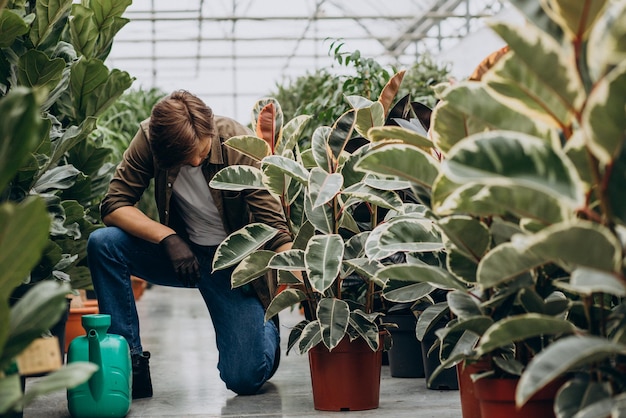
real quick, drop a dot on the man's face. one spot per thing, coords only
(201, 154)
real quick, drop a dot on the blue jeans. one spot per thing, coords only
(246, 343)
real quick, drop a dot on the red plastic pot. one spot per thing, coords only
(347, 378)
(497, 399)
(470, 407)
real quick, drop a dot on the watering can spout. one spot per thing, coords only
(96, 383)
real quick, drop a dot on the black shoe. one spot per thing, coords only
(142, 383)
(277, 354)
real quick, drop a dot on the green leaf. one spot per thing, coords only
(12, 25)
(463, 304)
(576, 18)
(69, 138)
(58, 178)
(319, 149)
(363, 193)
(322, 259)
(285, 299)
(420, 273)
(407, 136)
(35, 313)
(369, 117)
(449, 126)
(333, 315)
(240, 243)
(365, 327)
(340, 134)
(287, 166)
(67, 377)
(576, 394)
(587, 281)
(461, 332)
(251, 268)
(10, 393)
(520, 327)
(252, 146)
(504, 263)
(292, 260)
(606, 48)
(430, 317)
(23, 236)
(83, 30)
(321, 217)
(401, 291)
(237, 178)
(539, 79)
(48, 14)
(323, 186)
(403, 235)
(19, 131)
(401, 161)
(291, 133)
(561, 356)
(604, 118)
(468, 236)
(311, 336)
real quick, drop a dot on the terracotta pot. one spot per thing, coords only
(347, 378)
(470, 406)
(73, 326)
(497, 399)
(139, 285)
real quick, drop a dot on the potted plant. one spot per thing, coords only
(529, 197)
(317, 187)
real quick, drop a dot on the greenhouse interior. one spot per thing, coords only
(239, 208)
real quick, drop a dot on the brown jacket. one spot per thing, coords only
(237, 209)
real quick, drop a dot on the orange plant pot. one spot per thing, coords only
(497, 399)
(74, 327)
(347, 378)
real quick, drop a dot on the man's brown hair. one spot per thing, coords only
(177, 124)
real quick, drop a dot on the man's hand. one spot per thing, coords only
(184, 261)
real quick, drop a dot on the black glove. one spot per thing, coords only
(184, 261)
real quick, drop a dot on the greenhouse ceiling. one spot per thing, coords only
(232, 52)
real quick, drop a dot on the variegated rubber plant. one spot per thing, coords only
(318, 188)
(530, 198)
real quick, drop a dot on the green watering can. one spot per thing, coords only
(108, 392)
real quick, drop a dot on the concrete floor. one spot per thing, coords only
(177, 330)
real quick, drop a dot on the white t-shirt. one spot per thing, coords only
(197, 207)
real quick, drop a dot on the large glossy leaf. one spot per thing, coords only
(365, 327)
(519, 328)
(604, 118)
(449, 126)
(588, 281)
(340, 134)
(577, 394)
(579, 243)
(319, 148)
(535, 13)
(36, 69)
(68, 376)
(483, 110)
(468, 235)
(401, 161)
(83, 30)
(333, 315)
(400, 134)
(429, 318)
(576, 17)
(292, 260)
(418, 273)
(362, 193)
(12, 25)
(365, 267)
(505, 262)
(310, 337)
(390, 90)
(322, 259)
(10, 393)
(23, 236)
(291, 133)
(283, 300)
(48, 14)
(252, 146)
(321, 218)
(19, 131)
(287, 166)
(369, 117)
(237, 178)
(35, 313)
(403, 235)
(240, 243)
(323, 187)
(463, 304)
(403, 291)
(58, 178)
(251, 268)
(69, 138)
(605, 47)
(461, 332)
(539, 80)
(561, 356)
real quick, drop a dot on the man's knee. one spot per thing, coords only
(101, 238)
(244, 384)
